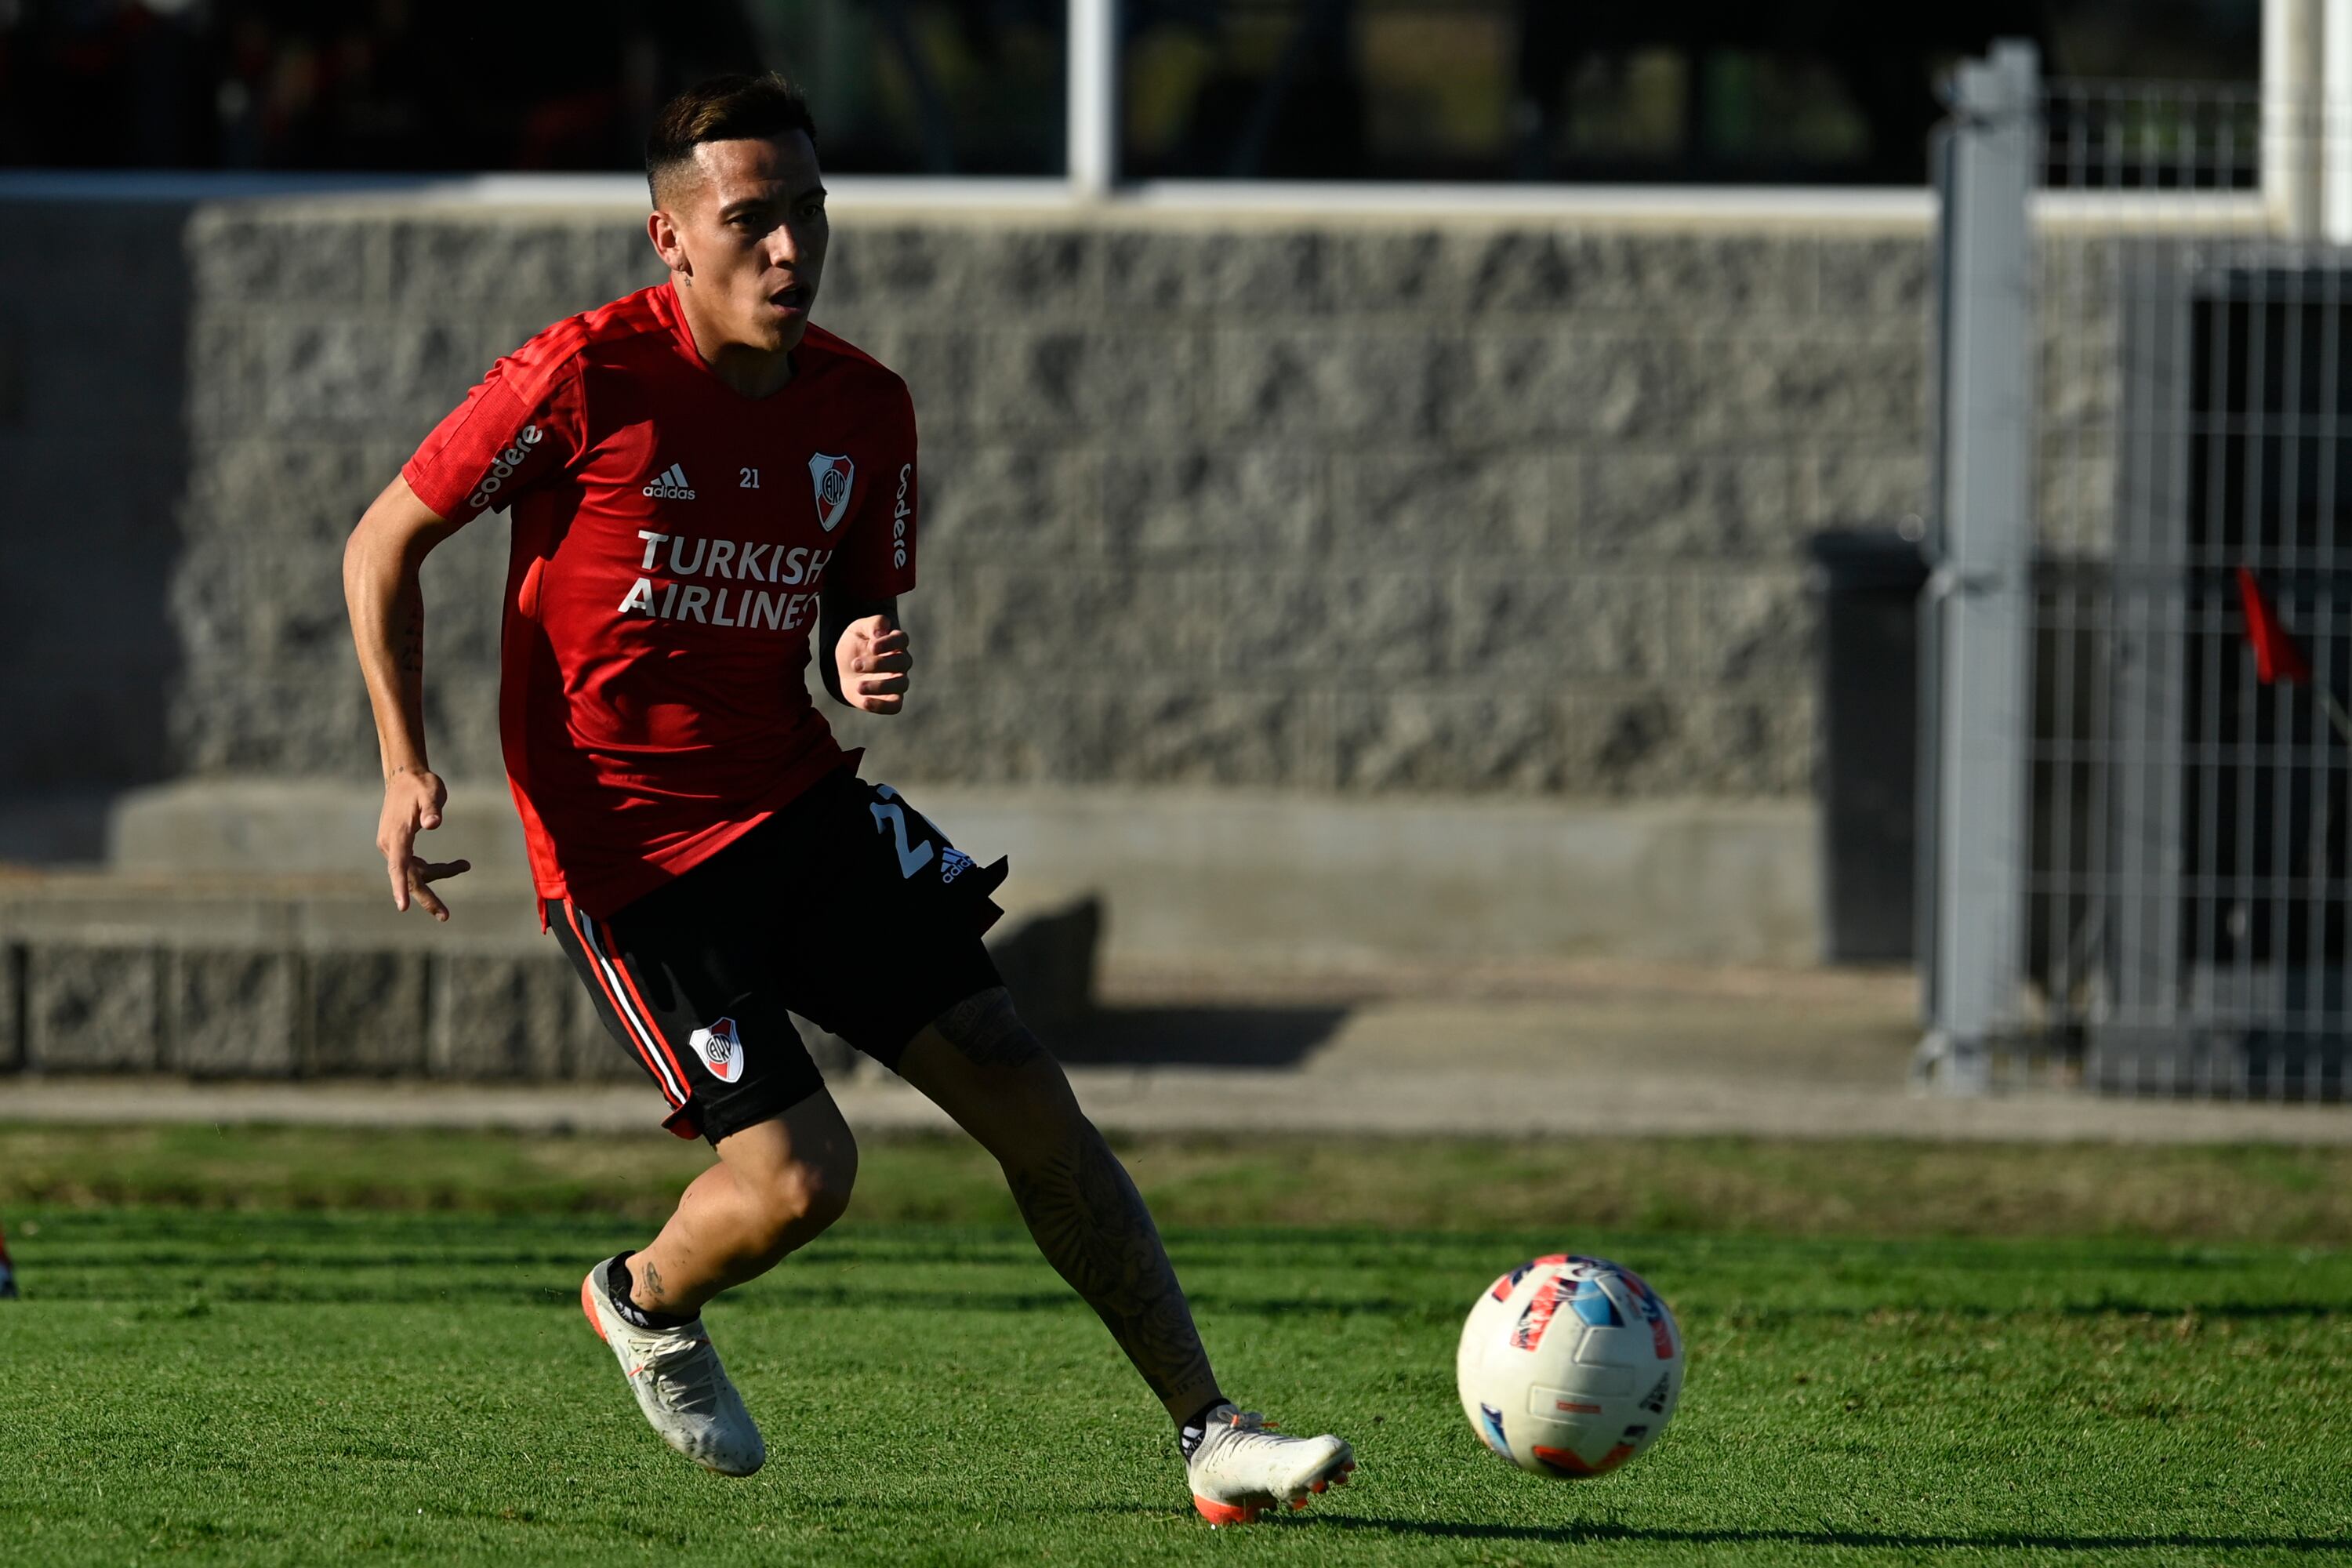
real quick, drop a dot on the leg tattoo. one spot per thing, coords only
(986, 1030)
(649, 1281)
(1088, 1218)
(1091, 1225)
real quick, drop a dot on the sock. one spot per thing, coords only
(617, 1290)
(1192, 1429)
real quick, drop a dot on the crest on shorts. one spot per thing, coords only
(830, 477)
(721, 1048)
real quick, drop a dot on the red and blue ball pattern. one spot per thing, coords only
(1570, 1365)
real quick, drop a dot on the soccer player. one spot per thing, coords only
(700, 479)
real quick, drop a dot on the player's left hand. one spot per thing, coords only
(874, 658)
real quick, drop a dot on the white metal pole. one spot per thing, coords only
(1982, 585)
(2327, 122)
(1093, 98)
(2292, 76)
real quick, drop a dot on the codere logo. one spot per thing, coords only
(670, 484)
(898, 518)
(502, 468)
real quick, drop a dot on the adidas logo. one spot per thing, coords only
(954, 863)
(670, 484)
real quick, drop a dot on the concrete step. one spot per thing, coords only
(280, 977)
(1217, 877)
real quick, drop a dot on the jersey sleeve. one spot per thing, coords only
(877, 559)
(521, 427)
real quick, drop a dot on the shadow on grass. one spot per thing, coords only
(1989, 1541)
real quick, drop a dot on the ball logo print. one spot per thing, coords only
(1536, 1315)
(1504, 1286)
(831, 478)
(1490, 1428)
(721, 1048)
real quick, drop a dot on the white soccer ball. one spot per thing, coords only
(1569, 1366)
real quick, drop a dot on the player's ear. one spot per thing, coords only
(662, 230)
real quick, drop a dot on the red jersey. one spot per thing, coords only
(670, 537)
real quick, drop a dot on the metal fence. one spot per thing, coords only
(2140, 618)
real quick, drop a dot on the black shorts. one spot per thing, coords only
(847, 906)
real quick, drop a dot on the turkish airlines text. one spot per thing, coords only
(738, 562)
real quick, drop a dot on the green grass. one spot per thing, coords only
(212, 1383)
(1720, 1186)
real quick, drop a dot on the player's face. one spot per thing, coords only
(753, 229)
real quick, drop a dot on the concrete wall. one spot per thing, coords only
(1379, 508)
(1358, 506)
(1229, 877)
(1460, 518)
(240, 977)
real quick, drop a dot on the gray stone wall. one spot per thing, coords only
(1345, 506)
(1373, 507)
(256, 981)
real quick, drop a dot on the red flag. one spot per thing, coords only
(2277, 655)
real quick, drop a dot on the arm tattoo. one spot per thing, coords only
(987, 1030)
(412, 643)
(1091, 1225)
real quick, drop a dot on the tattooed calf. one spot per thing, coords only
(1091, 1225)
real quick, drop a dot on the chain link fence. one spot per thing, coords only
(2141, 615)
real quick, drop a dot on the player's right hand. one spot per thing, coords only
(411, 805)
(873, 657)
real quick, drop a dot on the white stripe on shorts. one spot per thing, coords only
(646, 1040)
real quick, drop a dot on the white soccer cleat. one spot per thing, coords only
(679, 1384)
(1243, 1467)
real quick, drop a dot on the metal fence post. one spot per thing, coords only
(2295, 59)
(1092, 103)
(2317, 125)
(1981, 544)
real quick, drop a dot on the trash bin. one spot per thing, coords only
(1868, 581)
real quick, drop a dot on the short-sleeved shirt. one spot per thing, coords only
(670, 536)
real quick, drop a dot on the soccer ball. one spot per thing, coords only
(1569, 1366)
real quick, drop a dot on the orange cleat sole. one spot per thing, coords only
(1251, 1512)
(588, 1307)
(1227, 1512)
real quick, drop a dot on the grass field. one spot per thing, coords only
(235, 1372)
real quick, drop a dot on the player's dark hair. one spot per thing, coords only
(733, 108)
